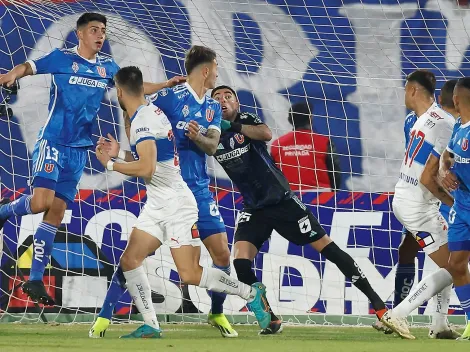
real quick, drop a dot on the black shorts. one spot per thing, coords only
(292, 219)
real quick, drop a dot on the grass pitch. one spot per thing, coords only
(203, 338)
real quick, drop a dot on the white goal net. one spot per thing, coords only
(346, 58)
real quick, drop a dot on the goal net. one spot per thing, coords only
(347, 59)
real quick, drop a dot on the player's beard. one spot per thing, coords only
(121, 105)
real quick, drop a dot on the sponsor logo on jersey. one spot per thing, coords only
(464, 144)
(435, 115)
(185, 110)
(198, 114)
(82, 81)
(239, 138)
(408, 179)
(233, 154)
(75, 67)
(158, 111)
(183, 125)
(49, 168)
(183, 95)
(101, 71)
(458, 159)
(210, 115)
(304, 225)
(142, 129)
(220, 146)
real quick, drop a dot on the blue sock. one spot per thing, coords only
(404, 280)
(116, 289)
(463, 293)
(218, 298)
(19, 207)
(42, 249)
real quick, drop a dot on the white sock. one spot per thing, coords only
(218, 281)
(442, 301)
(139, 288)
(423, 291)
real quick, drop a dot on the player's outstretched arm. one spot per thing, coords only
(208, 143)
(257, 133)
(144, 167)
(17, 72)
(429, 179)
(151, 88)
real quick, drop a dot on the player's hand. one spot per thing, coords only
(448, 180)
(193, 130)
(111, 146)
(175, 81)
(102, 156)
(8, 79)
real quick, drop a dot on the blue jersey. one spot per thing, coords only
(77, 89)
(181, 105)
(458, 146)
(409, 122)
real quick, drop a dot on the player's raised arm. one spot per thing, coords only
(152, 88)
(17, 72)
(249, 125)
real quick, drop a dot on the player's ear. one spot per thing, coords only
(80, 33)
(455, 98)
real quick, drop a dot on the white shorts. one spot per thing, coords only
(424, 222)
(174, 224)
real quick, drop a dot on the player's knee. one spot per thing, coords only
(41, 203)
(221, 257)
(129, 262)
(457, 267)
(189, 276)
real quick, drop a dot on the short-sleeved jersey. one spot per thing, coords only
(77, 88)
(150, 123)
(430, 134)
(458, 146)
(181, 104)
(251, 168)
(409, 123)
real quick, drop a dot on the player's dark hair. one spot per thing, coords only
(130, 78)
(198, 55)
(425, 79)
(88, 17)
(447, 93)
(463, 82)
(299, 115)
(224, 87)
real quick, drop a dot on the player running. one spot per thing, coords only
(80, 79)
(409, 248)
(269, 204)
(416, 199)
(195, 119)
(170, 213)
(455, 170)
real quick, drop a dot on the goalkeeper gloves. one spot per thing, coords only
(230, 126)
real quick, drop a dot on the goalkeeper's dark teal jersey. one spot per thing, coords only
(78, 86)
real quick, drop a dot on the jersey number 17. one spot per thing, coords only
(413, 148)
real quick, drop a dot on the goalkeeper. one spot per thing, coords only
(80, 79)
(269, 204)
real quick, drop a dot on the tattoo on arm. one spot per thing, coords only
(208, 143)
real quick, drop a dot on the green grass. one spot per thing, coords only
(203, 338)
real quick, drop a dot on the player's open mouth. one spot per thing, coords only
(99, 44)
(224, 108)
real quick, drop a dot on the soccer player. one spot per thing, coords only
(416, 199)
(170, 214)
(269, 204)
(455, 164)
(80, 78)
(409, 248)
(195, 119)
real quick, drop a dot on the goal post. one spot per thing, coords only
(347, 59)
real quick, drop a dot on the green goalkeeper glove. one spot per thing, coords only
(230, 126)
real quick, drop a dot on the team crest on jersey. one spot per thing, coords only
(210, 115)
(48, 168)
(163, 92)
(75, 67)
(101, 71)
(240, 138)
(185, 111)
(464, 144)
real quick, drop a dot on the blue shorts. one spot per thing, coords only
(459, 230)
(58, 167)
(210, 221)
